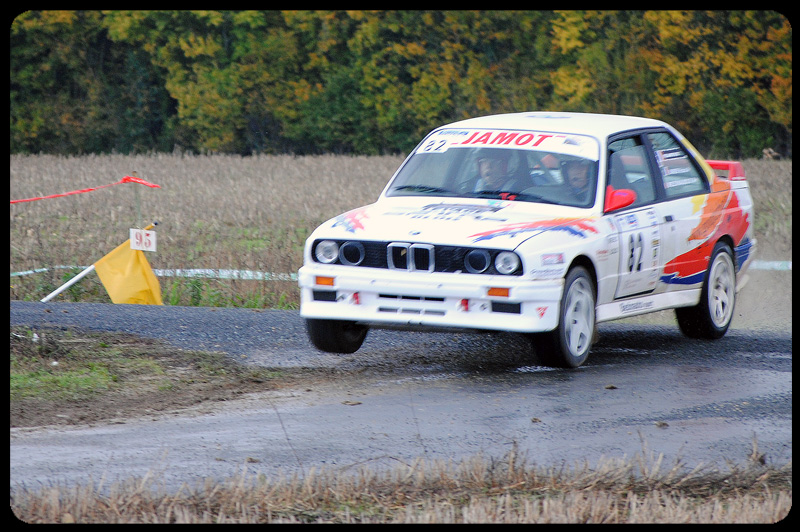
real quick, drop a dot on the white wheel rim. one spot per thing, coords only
(579, 317)
(722, 290)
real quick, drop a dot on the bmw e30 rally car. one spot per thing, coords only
(541, 223)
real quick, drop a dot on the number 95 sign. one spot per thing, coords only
(144, 239)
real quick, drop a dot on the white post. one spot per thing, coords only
(68, 284)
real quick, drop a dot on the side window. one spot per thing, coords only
(679, 175)
(628, 168)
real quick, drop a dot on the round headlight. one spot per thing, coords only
(352, 253)
(506, 262)
(477, 261)
(327, 251)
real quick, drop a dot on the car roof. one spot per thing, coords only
(597, 125)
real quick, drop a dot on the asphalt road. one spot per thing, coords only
(645, 391)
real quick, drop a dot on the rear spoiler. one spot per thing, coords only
(734, 170)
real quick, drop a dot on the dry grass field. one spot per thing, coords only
(231, 212)
(508, 490)
(218, 212)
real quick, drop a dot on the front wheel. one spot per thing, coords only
(568, 345)
(336, 336)
(711, 317)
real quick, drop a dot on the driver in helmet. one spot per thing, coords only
(577, 177)
(493, 171)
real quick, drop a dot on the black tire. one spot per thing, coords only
(567, 346)
(712, 316)
(336, 336)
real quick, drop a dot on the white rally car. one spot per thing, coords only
(542, 223)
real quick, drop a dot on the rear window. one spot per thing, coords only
(680, 175)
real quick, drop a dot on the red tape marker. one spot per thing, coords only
(126, 179)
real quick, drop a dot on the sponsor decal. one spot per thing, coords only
(452, 211)
(743, 252)
(445, 139)
(552, 258)
(680, 182)
(547, 273)
(352, 221)
(508, 138)
(635, 306)
(541, 311)
(711, 216)
(579, 227)
(721, 215)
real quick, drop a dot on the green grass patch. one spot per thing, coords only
(63, 376)
(59, 383)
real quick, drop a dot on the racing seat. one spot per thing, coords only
(616, 174)
(617, 178)
(520, 174)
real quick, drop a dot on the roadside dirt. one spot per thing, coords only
(147, 378)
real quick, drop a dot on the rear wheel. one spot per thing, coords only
(568, 345)
(336, 336)
(711, 317)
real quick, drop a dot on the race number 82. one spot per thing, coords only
(435, 146)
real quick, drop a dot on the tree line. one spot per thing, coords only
(372, 82)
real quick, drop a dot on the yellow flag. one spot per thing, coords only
(127, 276)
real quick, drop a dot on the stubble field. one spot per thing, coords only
(214, 212)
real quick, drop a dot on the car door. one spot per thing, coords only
(639, 225)
(684, 190)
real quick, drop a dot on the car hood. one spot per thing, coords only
(481, 223)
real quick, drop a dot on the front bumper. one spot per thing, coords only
(412, 299)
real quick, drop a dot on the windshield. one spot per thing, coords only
(507, 165)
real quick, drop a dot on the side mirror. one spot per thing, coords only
(618, 199)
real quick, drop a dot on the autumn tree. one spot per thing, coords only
(228, 71)
(408, 71)
(723, 76)
(376, 81)
(73, 90)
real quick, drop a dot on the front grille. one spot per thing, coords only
(416, 257)
(411, 257)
